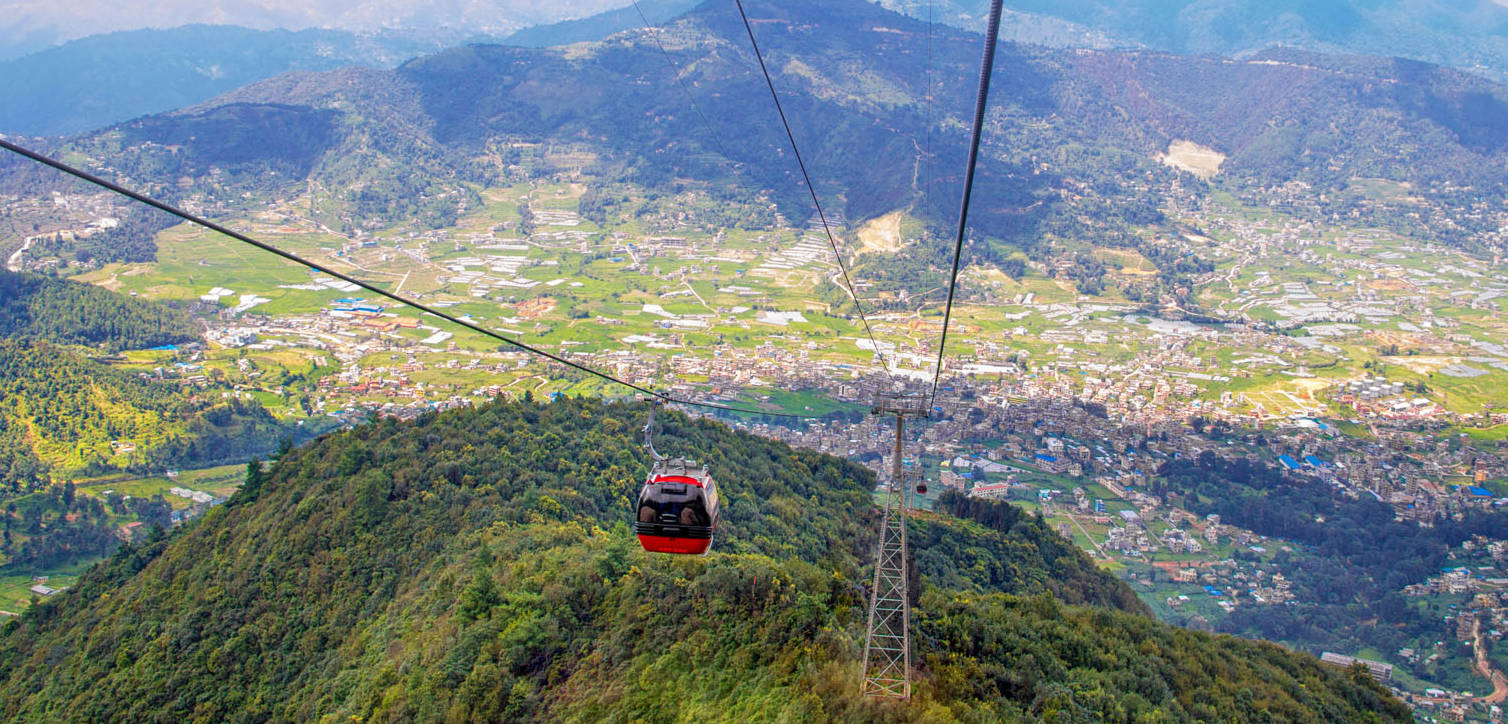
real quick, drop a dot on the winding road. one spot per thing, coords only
(14, 262)
(1484, 667)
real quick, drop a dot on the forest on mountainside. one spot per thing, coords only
(66, 411)
(60, 527)
(477, 565)
(34, 307)
(133, 240)
(61, 412)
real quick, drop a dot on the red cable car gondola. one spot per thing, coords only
(677, 510)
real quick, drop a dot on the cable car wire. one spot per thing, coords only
(186, 216)
(927, 124)
(986, 66)
(831, 241)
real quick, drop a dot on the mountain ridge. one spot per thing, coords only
(1429, 31)
(1069, 129)
(33, 26)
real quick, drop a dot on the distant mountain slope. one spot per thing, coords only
(1070, 152)
(475, 566)
(1470, 34)
(601, 25)
(92, 82)
(63, 413)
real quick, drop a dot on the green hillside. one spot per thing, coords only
(64, 312)
(63, 413)
(476, 565)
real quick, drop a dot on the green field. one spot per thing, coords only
(218, 481)
(15, 593)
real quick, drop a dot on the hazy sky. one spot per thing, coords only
(27, 25)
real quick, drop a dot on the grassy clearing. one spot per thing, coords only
(219, 481)
(15, 593)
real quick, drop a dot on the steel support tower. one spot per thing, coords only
(887, 644)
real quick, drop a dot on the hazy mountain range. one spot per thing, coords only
(1464, 33)
(1467, 33)
(94, 81)
(30, 25)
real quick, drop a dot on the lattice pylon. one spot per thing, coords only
(887, 642)
(887, 647)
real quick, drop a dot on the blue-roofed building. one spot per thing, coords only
(1288, 462)
(1314, 461)
(1479, 492)
(1051, 463)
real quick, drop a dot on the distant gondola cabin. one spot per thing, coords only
(677, 510)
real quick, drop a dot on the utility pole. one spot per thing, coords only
(887, 643)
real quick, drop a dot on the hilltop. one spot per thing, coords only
(476, 565)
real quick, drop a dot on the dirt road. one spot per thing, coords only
(1484, 667)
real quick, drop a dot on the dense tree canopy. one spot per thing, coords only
(61, 412)
(65, 312)
(476, 565)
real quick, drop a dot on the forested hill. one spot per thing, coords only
(476, 565)
(62, 413)
(64, 312)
